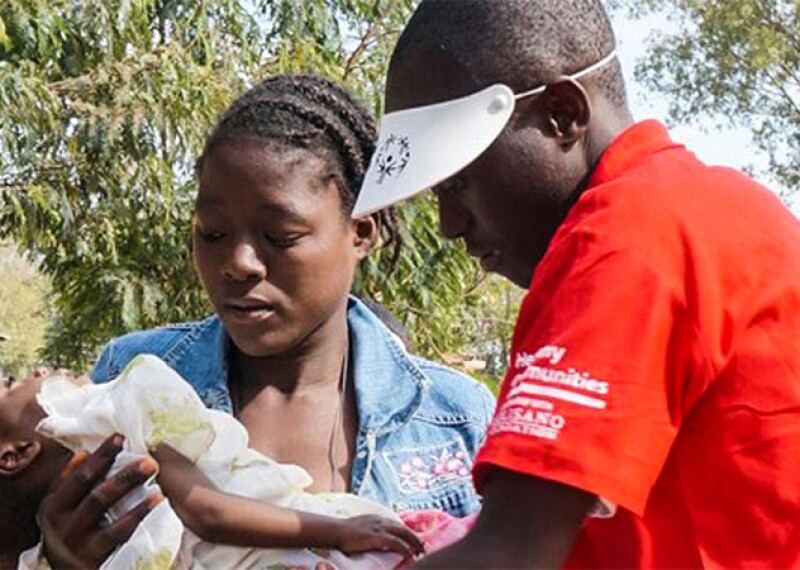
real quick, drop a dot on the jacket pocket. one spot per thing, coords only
(432, 476)
(460, 501)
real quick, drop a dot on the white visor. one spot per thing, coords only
(423, 146)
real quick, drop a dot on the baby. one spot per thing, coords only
(228, 505)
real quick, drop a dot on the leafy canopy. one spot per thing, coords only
(23, 313)
(105, 105)
(735, 61)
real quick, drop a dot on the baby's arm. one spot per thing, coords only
(218, 517)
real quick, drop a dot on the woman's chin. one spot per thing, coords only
(264, 345)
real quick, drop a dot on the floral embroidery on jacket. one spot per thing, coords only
(429, 468)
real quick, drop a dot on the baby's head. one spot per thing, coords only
(29, 461)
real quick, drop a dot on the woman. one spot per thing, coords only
(314, 376)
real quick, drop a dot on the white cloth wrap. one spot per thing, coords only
(149, 403)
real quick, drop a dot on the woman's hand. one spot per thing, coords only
(70, 516)
(373, 533)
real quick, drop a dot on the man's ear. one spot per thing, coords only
(17, 456)
(366, 231)
(569, 111)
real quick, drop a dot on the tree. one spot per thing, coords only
(23, 313)
(105, 104)
(735, 61)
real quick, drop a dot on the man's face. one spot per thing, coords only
(509, 202)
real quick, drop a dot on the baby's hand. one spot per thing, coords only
(373, 533)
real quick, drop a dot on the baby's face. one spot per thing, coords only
(19, 410)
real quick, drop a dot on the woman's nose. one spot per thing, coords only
(244, 262)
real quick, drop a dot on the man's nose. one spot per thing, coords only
(454, 218)
(244, 262)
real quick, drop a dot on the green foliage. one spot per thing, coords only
(450, 306)
(105, 104)
(736, 61)
(23, 313)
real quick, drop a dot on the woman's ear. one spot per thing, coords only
(366, 231)
(569, 111)
(17, 456)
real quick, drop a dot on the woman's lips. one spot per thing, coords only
(249, 313)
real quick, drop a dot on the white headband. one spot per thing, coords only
(577, 75)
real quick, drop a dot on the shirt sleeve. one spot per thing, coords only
(590, 399)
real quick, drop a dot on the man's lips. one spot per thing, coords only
(490, 260)
(486, 258)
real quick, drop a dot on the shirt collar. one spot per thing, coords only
(634, 143)
(389, 385)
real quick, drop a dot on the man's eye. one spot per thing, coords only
(209, 236)
(454, 184)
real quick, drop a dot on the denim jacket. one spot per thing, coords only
(419, 423)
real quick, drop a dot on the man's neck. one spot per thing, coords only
(611, 121)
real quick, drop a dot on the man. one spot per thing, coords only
(651, 413)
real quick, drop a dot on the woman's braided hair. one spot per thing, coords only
(316, 114)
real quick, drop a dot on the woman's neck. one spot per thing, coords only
(316, 362)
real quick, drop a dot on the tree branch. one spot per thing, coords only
(777, 25)
(775, 84)
(369, 36)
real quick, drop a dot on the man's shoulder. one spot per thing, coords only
(454, 394)
(167, 342)
(674, 185)
(671, 201)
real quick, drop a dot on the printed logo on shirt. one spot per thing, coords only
(529, 407)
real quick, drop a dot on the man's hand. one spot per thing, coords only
(526, 522)
(70, 515)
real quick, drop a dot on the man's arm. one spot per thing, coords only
(526, 522)
(215, 516)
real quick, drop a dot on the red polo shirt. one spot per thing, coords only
(656, 364)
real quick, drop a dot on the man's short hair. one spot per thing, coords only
(522, 43)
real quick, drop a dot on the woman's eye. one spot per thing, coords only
(284, 241)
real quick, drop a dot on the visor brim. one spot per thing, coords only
(423, 146)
